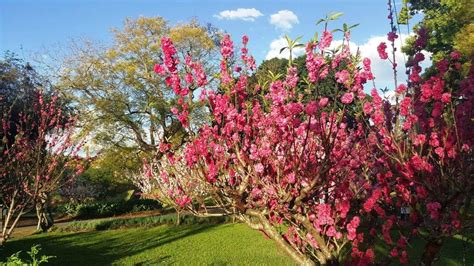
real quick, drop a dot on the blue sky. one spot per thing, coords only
(28, 27)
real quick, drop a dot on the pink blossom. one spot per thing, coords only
(405, 106)
(366, 63)
(404, 257)
(419, 139)
(343, 207)
(433, 208)
(342, 76)
(391, 36)
(227, 47)
(352, 228)
(323, 102)
(347, 98)
(455, 55)
(367, 108)
(292, 77)
(311, 108)
(331, 232)
(434, 141)
(291, 178)
(401, 88)
(394, 252)
(245, 40)
(381, 50)
(326, 40)
(170, 59)
(446, 97)
(259, 168)
(159, 69)
(183, 201)
(440, 152)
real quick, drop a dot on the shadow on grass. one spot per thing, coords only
(456, 250)
(104, 247)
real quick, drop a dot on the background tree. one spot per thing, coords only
(102, 178)
(37, 150)
(269, 70)
(123, 103)
(20, 88)
(449, 27)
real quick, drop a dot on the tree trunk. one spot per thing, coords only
(43, 213)
(178, 218)
(45, 219)
(7, 227)
(432, 249)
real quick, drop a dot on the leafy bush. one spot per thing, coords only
(87, 210)
(15, 259)
(149, 221)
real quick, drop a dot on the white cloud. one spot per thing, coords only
(247, 14)
(275, 47)
(284, 19)
(382, 69)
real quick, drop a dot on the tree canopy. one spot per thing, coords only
(123, 103)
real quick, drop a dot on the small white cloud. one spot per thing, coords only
(247, 14)
(284, 19)
(275, 47)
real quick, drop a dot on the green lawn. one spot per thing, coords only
(229, 244)
(199, 244)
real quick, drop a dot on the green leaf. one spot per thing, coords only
(353, 26)
(298, 38)
(315, 38)
(334, 16)
(319, 21)
(283, 49)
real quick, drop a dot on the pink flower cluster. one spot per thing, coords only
(328, 164)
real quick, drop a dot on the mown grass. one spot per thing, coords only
(199, 244)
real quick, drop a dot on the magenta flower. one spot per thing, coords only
(381, 50)
(347, 98)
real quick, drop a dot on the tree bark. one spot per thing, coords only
(7, 230)
(45, 219)
(43, 213)
(178, 218)
(432, 249)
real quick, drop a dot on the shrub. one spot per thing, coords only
(88, 210)
(150, 221)
(15, 259)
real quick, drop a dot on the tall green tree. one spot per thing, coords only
(125, 105)
(450, 27)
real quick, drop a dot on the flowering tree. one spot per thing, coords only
(314, 171)
(281, 162)
(38, 155)
(424, 165)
